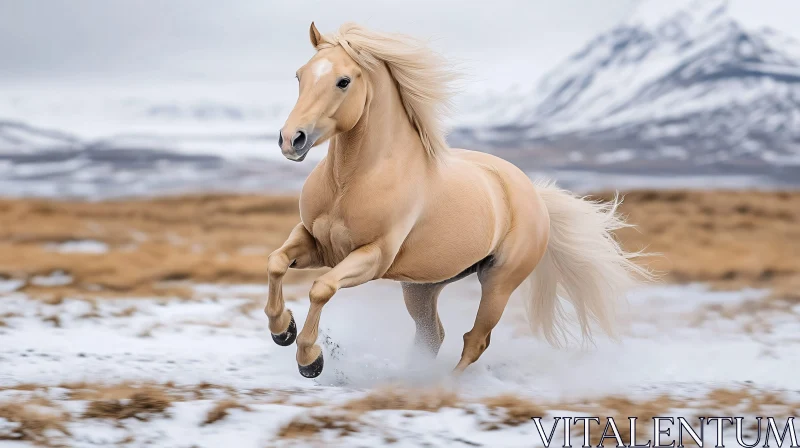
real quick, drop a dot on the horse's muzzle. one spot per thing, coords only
(297, 156)
(299, 146)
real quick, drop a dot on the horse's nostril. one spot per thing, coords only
(299, 140)
(280, 139)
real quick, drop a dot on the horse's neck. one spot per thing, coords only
(383, 134)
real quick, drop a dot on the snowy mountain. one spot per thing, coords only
(41, 162)
(22, 139)
(691, 87)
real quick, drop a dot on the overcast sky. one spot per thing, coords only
(499, 43)
(249, 39)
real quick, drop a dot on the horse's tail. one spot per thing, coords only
(583, 264)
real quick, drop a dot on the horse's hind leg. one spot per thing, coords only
(498, 280)
(421, 302)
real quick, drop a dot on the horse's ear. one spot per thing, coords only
(313, 33)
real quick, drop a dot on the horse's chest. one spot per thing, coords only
(334, 239)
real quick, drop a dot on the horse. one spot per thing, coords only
(391, 200)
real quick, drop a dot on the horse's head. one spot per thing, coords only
(332, 98)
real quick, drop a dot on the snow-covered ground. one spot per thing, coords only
(678, 340)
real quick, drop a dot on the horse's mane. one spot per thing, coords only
(422, 76)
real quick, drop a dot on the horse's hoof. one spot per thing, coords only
(288, 336)
(314, 369)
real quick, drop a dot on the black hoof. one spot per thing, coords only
(314, 369)
(288, 336)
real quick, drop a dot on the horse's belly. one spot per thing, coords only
(462, 225)
(435, 256)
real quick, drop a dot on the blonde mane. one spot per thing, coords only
(423, 78)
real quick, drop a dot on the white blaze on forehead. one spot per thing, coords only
(322, 67)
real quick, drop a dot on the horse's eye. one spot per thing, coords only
(343, 83)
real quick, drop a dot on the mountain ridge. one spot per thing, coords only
(697, 86)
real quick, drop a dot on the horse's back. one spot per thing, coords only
(512, 176)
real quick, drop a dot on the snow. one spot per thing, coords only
(56, 278)
(653, 12)
(366, 337)
(10, 285)
(695, 74)
(79, 246)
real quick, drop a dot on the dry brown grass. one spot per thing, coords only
(22, 386)
(723, 401)
(510, 410)
(141, 404)
(204, 238)
(34, 420)
(310, 425)
(733, 400)
(346, 418)
(41, 421)
(221, 410)
(52, 299)
(402, 398)
(620, 408)
(729, 238)
(255, 305)
(54, 319)
(127, 312)
(205, 390)
(90, 391)
(504, 410)
(100, 391)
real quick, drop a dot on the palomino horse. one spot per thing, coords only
(392, 201)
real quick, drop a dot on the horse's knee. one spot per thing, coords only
(277, 264)
(321, 291)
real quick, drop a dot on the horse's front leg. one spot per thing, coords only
(361, 266)
(299, 251)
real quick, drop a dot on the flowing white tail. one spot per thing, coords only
(583, 264)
